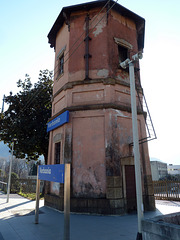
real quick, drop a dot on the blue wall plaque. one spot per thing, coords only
(52, 173)
(58, 121)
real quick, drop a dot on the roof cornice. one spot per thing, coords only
(66, 12)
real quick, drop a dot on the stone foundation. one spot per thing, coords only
(87, 205)
(114, 201)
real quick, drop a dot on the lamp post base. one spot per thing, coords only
(139, 236)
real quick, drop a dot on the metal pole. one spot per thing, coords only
(37, 198)
(10, 170)
(136, 151)
(2, 110)
(67, 202)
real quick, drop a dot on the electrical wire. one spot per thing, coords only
(87, 35)
(30, 101)
(89, 25)
(83, 32)
(36, 93)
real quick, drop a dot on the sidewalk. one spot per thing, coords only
(17, 222)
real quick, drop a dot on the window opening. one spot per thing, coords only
(57, 155)
(123, 53)
(61, 64)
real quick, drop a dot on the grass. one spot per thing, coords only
(30, 196)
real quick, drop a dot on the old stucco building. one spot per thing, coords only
(90, 40)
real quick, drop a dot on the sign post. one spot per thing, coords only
(67, 203)
(56, 173)
(37, 198)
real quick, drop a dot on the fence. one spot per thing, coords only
(3, 186)
(167, 190)
(24, 185)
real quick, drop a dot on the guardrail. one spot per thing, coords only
(167, 190)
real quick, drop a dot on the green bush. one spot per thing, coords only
(15, 185)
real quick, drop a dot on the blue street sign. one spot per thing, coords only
(58, 121)
(52, 173)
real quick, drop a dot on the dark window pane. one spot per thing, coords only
(61, 64)
(57, 153)
(123, 53)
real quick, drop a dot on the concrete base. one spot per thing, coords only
(166, 227)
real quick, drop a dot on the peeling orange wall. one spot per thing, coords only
(95, 140)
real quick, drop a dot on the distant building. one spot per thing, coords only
(158, 170)
(173, 169)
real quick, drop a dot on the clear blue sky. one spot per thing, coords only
(24, 49)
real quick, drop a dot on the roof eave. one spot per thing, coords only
(140, 22)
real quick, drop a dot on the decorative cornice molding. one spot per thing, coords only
(105, 81)
(97, 107)
(123, 43)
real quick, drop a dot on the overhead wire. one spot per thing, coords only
(30, 101)
(38, 91)
(87, 35)
(85, 30)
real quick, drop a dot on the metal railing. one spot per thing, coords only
(167, 190)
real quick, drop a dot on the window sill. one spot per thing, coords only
(59, 76)
(123, 69)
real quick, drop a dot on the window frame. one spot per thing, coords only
(123, 53)
(60, 62)
(124, 45)
(61, 65)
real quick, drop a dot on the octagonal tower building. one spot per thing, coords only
(90, 41)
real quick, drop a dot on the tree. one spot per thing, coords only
(15, 185)
(26, 117)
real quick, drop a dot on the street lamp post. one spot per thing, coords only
(10, 170)
(135, 140)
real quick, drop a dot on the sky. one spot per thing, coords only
(24, 49)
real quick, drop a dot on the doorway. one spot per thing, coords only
(130, 188)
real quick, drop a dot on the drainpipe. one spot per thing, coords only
(87, 55)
